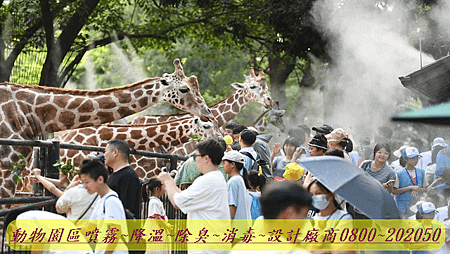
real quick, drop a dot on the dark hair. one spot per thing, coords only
(382, 145)
(121, 146)
(214, 148)
(278, 196)
(335, 152)
(256, 179)
(347, 144)
(244, 175)
(402, 161)
(291, 141)
(315, 181)
(154, 183)
(418, 216)
(298, 133)
(238, 128)
(248, 137)
(230, 125)
(94, 169)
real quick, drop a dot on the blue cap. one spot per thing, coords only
(426, 207)
(410, 152)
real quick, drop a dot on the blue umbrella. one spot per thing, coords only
(354, 185)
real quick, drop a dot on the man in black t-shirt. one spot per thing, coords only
(124, 180)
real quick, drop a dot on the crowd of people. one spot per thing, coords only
(252, 180)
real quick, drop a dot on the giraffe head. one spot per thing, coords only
(276, 118)
(206, 128)
(184, 93)
(257, 86)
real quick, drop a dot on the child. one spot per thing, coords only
(238, 198)
(256, 181)
(94, 176)
(410, 181)
(156, 211)
(155, 206)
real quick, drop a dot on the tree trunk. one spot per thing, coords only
(49, 73)
(279, 72)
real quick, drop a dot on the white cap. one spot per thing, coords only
(234, 156)
(439, 142)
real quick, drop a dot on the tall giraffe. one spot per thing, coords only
(138, 136)
(29, 111)
(253, 89)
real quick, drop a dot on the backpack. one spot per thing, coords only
(259, 165)
(255, 208)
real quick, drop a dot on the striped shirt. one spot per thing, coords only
(383, 175)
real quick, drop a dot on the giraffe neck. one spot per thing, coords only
(227, 109)
(139, 137)
(41, 110)
(260, 124)
(224, 110)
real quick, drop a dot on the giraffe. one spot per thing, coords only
(151, 166)
(272, 116)
(138, 136)
(253, 89)
(29, 111)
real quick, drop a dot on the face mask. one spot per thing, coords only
(320, 201)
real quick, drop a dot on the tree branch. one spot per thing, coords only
(28, 34)
(74, 26)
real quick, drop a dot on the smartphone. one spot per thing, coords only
(388, 182)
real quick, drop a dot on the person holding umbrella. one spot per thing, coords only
(411, 181)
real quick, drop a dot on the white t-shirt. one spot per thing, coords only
(206, 198)
(110, 208)
(238, 196)
(423, 162)
(155, 206)
(337, 215)
(442, 214)
(75, 201)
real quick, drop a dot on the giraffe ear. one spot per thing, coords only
(238, 86)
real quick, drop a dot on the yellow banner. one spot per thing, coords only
(226, 235)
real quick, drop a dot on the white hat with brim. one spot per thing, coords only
(234, 156)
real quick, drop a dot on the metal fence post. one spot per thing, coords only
(173, 162)
(37, 163)
(50, 170)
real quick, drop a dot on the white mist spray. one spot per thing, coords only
(369, 52)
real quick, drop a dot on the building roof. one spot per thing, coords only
(431, 82)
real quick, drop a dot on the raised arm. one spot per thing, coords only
(46, 183)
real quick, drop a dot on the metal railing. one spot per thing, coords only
(50, 156)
